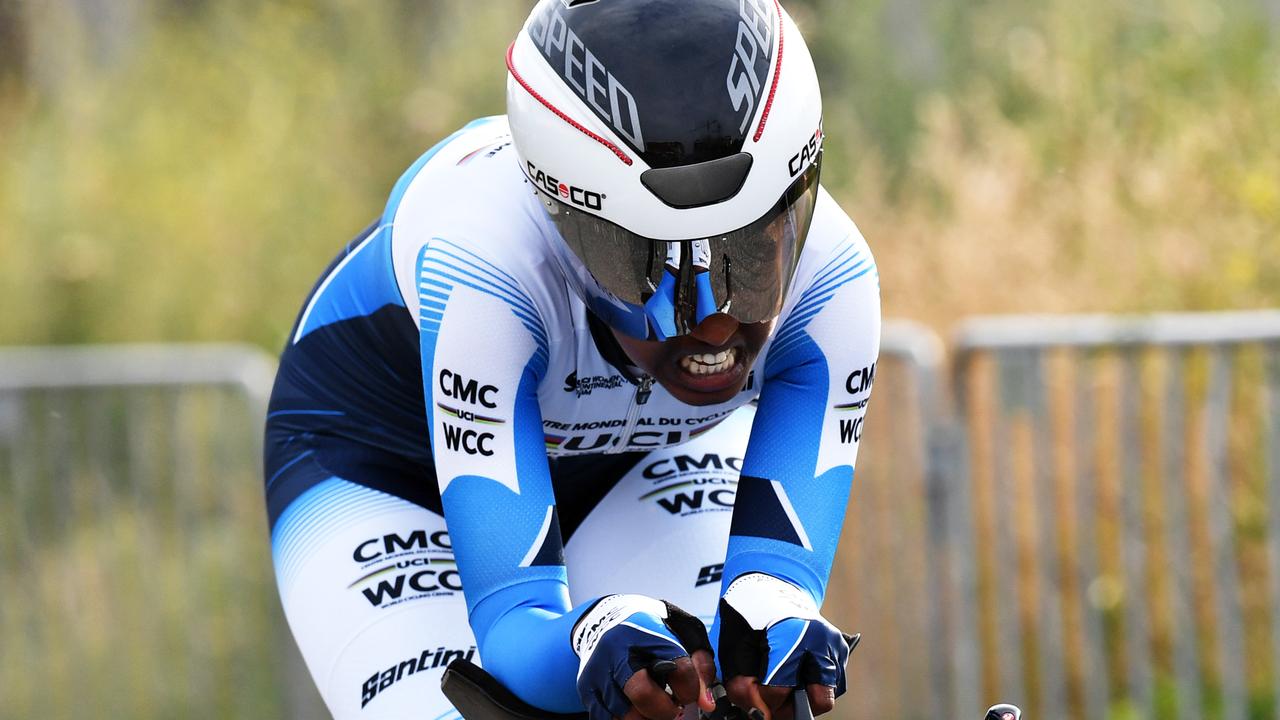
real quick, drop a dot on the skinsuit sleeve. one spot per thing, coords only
(484, 352)
(818, 373)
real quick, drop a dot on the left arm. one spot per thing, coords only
(796, 478)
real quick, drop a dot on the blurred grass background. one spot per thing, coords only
(184, 170)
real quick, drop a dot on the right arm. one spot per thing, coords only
(484, 351)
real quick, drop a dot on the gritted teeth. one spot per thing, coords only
(710, 363)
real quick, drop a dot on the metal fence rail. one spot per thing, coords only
(155, 449)
(891, 567)
(1126, 487)
(133, 560)
(1088, 522)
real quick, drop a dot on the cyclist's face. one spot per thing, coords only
(705, 367)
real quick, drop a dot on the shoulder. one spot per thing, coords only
(832, 233)
(465, 208)
(834, 249)
(834, 297)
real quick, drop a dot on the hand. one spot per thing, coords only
(772, 639)
(776, 702)
(630, 648)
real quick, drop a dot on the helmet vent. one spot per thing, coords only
(704, 183)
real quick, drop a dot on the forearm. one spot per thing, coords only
(789, 509)
(798, 469)
(523, 636)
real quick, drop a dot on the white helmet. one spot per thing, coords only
(677, 145)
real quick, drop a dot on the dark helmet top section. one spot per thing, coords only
(679, 82)
(676, 151)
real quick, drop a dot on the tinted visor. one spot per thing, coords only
(674, 285)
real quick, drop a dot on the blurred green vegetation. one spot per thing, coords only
(190, 178)
(187, 176)
(125, 594)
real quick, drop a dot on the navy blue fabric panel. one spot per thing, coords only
(552, 550)
(302, 461)
(580, 482)
(359, 379)
(767, 518)
(359, 284)
(296, 471)
(297, 461)
(333, 264)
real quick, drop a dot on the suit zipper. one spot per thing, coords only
(643, 391)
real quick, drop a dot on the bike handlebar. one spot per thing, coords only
(477, 695)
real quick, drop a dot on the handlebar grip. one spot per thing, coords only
(661, 670)
(1004, 711)
(801, 701)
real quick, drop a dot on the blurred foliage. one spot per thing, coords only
(183, 171)
(124, 594)
(188, 173)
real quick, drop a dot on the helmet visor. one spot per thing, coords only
(656, 289)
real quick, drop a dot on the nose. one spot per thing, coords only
(715, 329)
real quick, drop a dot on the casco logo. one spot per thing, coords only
(581, 197)
(807, 154)
(752, 51)
(584, 72)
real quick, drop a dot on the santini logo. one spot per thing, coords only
(428, 660)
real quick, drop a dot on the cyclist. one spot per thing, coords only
(550, 341)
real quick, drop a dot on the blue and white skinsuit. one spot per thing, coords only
(443, 373)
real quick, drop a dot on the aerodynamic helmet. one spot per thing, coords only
(676, 145)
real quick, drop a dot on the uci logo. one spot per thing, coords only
(807, 154)
(589, 199)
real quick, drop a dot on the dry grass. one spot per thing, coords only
(1002, 157)
(1075, 156)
